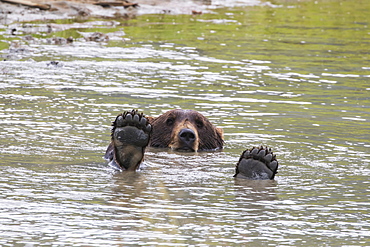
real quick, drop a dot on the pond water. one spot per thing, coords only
(294, 76)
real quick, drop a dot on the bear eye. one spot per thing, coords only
(199, 123)
(170, 121)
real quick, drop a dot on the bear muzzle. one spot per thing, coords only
(185, 140)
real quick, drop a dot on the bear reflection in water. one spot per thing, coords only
(180, 130)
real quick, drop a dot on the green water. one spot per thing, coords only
(295, 77)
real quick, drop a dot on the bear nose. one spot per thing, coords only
(187, 136)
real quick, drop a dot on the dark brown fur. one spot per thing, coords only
(166, 129)
(181, 130)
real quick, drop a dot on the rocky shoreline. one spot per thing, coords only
(31, 10)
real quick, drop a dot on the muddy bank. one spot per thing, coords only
(50, 9)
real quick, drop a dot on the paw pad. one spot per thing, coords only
(132, 118)
(130, 136)
(256, 162)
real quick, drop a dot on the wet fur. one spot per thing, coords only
(167, 126)
(129, 139)
(132, 132)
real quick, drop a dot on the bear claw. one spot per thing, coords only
(130, 136)
(132, 118)
(257, 163)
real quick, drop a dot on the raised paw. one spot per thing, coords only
(257, 163)
(131, 128)
(130, 136)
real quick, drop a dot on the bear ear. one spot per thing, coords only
(150, 119)
(220, 132)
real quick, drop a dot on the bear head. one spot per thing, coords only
(185, 130)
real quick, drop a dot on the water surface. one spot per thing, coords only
(293, 76)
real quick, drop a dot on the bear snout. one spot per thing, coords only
(186, 140)
(187, 136)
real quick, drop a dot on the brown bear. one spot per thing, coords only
(180, 130)
(185, 130)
